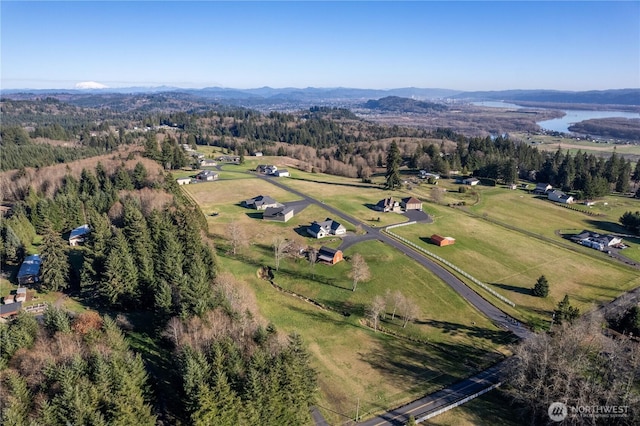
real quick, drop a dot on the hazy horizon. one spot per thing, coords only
(462, 46)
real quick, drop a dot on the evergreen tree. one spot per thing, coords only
(119, 284)
(55, 263)
(139, 176)
(137, 233)
(122, 180)
(12, 247)
(623, 178)
(541, 289)
(393, 167)
(565, 312)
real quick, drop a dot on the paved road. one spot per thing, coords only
(495, 314)
(460, 389)
(440, 399)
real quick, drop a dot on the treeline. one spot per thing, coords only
(620, 128)
(18, 149)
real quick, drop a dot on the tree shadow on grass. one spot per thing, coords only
(495, 336)
(301, 230)
(608, 226)
(513, 288)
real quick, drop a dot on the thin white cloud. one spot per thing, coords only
(91, 85)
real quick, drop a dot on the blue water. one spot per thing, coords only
(571, 116)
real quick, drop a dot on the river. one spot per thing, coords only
(571, 116)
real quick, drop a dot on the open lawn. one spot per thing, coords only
(350, 196)
(511, 262)
(538, 215)
(355, 363)
(552, 143)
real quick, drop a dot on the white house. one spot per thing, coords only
(559, 197)
(183, 181)
(327, 227)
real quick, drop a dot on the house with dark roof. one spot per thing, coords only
(261, 202)
(329, 255)
(78, 235)
(411, 203)
(207, 176)
(29, 272)
(10, 309)
(326, 227)
(278, 214)
(596, 241)
(388, 205)
(542, 188)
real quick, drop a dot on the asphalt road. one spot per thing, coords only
(458, 390)
(440, 399)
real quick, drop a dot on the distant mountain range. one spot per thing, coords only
(265, 96)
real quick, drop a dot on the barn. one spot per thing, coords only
(442, 241)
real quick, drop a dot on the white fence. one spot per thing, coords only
(456, 404)
(446, 262)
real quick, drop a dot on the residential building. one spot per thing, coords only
(261, 202)
(596, 241)
(78, 235)
(471, 181)
(183, 181)
(542, 188)
(207, 176)
(29, 272)
(388, 205)
(327, 227)
(559, 197)
(208, 163)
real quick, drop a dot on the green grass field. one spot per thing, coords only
(511, 262)
(353, 361)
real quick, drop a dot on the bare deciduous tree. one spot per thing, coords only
(359, 270)
(396, 299)
(577, 365)
(280, 247)
(237, 237)
(376, 308)
(312, 256)
(409, 311)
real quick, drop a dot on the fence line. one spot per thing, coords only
(457, 403)
(446, 262)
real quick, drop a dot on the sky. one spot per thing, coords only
(477, 45)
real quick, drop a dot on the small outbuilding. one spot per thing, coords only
(183, 181)
(442, 241)
(282, 173)
(10, 309)
(329, 255)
